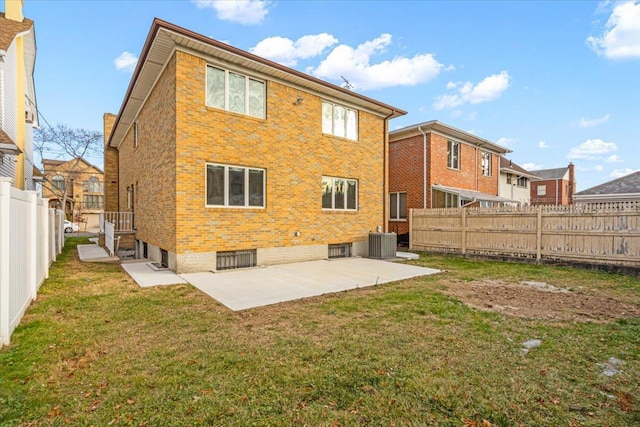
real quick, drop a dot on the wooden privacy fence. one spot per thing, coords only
(581, 234)
(31, 235)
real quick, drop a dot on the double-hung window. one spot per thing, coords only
(235, 186)
(486, 163)
(397, 206)
(339, 121)
(339, 194)
(453, 155)
(235, 92)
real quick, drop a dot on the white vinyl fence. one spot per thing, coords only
(31, 235)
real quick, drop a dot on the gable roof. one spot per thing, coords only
(9, 29)
(557, 173)
(447, 130)
(164, 38)
(628, 184)
(54, 162)
(510, 167)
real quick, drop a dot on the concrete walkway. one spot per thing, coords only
(145, 275)
(94, 253)
(243, 289)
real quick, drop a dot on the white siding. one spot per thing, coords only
(10, 121)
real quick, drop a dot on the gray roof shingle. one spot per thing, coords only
(623, 185)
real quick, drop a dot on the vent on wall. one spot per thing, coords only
(229, 260)
(339, 250)
(382, 245)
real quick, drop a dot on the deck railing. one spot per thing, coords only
(122, 221)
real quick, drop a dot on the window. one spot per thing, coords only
(339, 193)
(441, 199)
(339, 121)
(92, 185)
(522, 182)
(58, 182)
(542, 190)
(91, 201)
(453, 155)
(234, 92)
(486, 163)
(135, 134)
(397, 206)
(235, 186)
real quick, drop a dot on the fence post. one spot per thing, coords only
(411, 229)
(5, 277)
(32, 241)
(464, 231)
(44, 236)
(539, 236)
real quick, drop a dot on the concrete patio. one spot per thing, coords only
(256, 287)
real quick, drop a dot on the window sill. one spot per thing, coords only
(342, 138)
(343, 211)
(453, 169)
(236, 208)
(233, 113)
(397, 220)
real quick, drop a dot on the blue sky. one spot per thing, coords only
(554, 81)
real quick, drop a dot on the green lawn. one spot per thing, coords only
(95, 349)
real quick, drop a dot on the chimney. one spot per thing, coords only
(13, 10)
(572, 183)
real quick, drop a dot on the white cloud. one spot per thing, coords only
(488, 89)
(587, 123)
(506, 142)
(457, 113)
(531, 166)
(126, 62)
(617, 173)
(543, 145)
(246, 12)
(621, 38)
(592, 149)
(598, 168)
(355, 65)
(614, 159)
(287, 52)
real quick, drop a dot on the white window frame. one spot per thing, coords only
(346, 133)
(521, 182)
(246, 92)
(453, 160)
(486, 163)
(400, 216)
(333, 198)
(226, 204)
(542, 190)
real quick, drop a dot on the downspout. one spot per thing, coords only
(385, 173)
(556, 191)
(424, 168)
(476, 172)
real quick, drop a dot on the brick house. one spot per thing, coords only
(84, 183)
(515, 182)
(434, 165)
(18, 110)
(231, 160)
(554, 186)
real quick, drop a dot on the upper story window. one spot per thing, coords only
(486, 163)
(542, 190)
(339, 121)
(453, 155)
(58, 182)
(135, 134)
(397, 206)
(92, 185)
(235, 186)
(235, 92)
(522, 182)
(339, 193)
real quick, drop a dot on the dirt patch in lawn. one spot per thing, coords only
(539, 300)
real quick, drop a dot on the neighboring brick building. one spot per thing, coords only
(434, 165)
(84, 183)
(228, 159)
(515, 182)
(554, 186)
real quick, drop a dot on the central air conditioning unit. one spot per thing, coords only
(382, 245)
